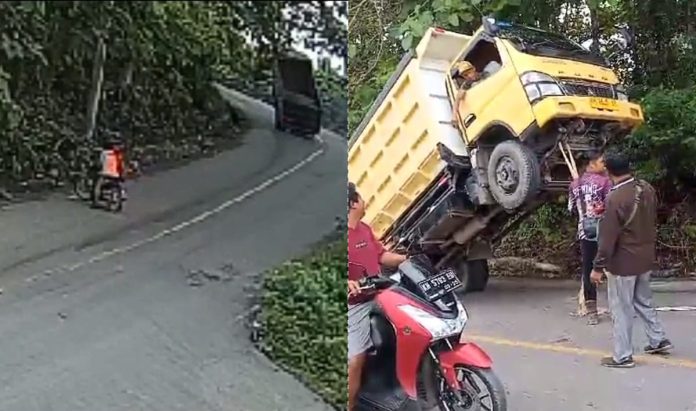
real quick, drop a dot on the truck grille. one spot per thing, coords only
(574, 87)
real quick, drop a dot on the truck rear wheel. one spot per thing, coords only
(514, 175)
(473, 275)
(278, 121)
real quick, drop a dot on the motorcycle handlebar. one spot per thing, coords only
(375, 283)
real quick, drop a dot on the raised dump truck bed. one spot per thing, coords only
(412, 198)
(297, 103)
(408, 120)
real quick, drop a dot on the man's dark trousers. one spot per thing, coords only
(588, 250)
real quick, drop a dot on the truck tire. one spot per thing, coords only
(278, 121)
(514, 175)
(473, 275)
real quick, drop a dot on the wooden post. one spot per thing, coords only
(95, 92)
(572, 166)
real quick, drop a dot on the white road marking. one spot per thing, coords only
(195, 220)
(679, 308)
(334, 136)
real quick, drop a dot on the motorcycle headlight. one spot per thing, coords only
(438, 327)
(539, 85)
(621, 92)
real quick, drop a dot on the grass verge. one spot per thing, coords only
(304, 319)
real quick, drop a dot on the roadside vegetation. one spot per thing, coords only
(304, 319)
(71, 70)
(659, 71)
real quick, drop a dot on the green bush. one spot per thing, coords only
(665, 146)
(304, 319)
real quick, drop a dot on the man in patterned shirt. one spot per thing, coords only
(586, 198)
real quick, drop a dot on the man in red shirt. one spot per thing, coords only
(365, 257)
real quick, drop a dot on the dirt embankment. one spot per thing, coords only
(545, 246)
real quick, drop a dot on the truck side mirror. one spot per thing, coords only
(489, 25)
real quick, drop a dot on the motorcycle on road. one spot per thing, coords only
(419, 361)
(110, 195)
(86, 176)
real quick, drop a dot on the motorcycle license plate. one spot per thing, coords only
(604, 103)
(440, 284)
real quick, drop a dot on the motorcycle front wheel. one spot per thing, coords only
(481, 390)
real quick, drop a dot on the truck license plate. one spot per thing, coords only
(604, 103)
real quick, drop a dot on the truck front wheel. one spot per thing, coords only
(473, 275)
(513, 173)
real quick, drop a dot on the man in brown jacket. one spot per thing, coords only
(626, 254)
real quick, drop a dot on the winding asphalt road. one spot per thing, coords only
(97, 310)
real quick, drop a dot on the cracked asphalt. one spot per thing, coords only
(98, 311)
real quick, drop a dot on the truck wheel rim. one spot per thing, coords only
(507, 175)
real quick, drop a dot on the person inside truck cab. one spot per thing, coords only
(464, 76)
(366, 252)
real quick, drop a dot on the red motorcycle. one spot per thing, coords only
(418, 361)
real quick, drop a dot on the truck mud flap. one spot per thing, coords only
(449, 213)
(452, 209)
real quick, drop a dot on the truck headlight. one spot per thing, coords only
(438, 327)
(539, 85)
(620, 92)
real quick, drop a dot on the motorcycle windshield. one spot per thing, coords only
(413, 271)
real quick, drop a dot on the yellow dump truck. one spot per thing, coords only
(451, 185)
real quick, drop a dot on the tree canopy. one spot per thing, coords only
(69, 69)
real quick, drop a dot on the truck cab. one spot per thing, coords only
(547, 98)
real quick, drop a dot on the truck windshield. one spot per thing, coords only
(542, 43)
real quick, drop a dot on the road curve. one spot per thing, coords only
(98, 311)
